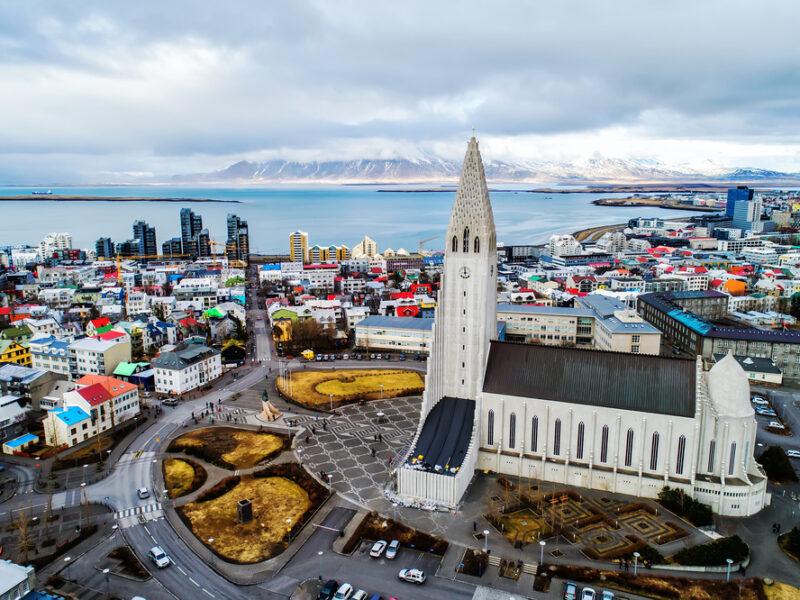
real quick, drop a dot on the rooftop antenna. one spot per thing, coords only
(473, 132)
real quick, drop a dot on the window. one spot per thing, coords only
(635, 339)
(476, 247)
(654, 452)
(711, 449)
(466, 239)
(733, 459)
(604, 444)
(579, 451)
(681, 454)
(557, 438)
(490, 429)
(629, 448)
(635, 349)
(454, 245)
(535, 434)
(512, 430)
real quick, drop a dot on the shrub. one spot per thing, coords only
(791, 541)
(777, 465)
(714, 553)
(697, 513)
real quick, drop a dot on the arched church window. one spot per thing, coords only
(512, 430)
(629, 448)
(490, 429)
(454, 245)
(535, 434)
(654, 451)
(476, 246)
(712, 447)
(681, 455)
(557, 438)
(579, 450)
(604, 444)
(733, 459)
(466, 239)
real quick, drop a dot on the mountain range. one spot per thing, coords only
(438, 170)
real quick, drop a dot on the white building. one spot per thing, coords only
(395, 334)
(565, 245)
(52, 242)
(623, 423)
(187, 367)
(15, 580)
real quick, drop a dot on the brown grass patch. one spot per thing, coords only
(781, 591)
(182, 476)
(314, 388)
(230, 448)
(275, 499)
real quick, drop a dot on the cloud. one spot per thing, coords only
(92, 88)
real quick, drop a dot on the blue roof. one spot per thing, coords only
(271, 267)
(21, 440)
(71, 415)
(425, 324)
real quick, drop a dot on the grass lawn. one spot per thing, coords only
(314, 388)
(228, 447)
(781, 591)
(522, 526)
(275, 499)
(182, 477)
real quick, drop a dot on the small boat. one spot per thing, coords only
(47, 193)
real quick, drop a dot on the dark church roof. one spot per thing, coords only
(444, 439)
(638, 382)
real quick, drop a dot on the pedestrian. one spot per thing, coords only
(373, 451)
(313, 430)
(380, 437)
(474, 526)
(306, 439)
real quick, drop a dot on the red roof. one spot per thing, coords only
(716, 282)
(376, 270)
(109, 335)
(5, 310)
(101, 322)
(188, 322)
(94, 394)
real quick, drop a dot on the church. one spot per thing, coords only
(622, 423)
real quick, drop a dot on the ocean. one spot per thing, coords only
(331, 214)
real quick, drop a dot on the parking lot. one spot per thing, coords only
(785, 403)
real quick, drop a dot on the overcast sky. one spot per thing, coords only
(103, 91)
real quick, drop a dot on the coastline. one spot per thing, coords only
(58, 198)
(592, 234)
(667, 203)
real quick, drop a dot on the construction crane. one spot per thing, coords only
(426, 240)
(119, 258)
(235, 263)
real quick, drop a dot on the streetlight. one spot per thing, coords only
(728, 573)
(394, 509)
(636, 556)
(289, 529)
(381, 391)
(84, 473)
(331, 399)
(485, 540)
(105, 572)
(115, 527)
(542, 544)
(66, 561)
(211, 547)
(319, 554)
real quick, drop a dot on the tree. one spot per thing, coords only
(777, 465)
(159, 311)
(167, 288)
(240, 331)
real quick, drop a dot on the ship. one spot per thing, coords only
(47, 193)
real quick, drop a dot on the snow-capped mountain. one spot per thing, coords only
(438, 170)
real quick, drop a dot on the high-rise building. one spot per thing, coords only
(238, 244)
(298, 246)
(747, 215)
(203, 242)
(128, 248)
(52, 242)
(738, 194)
(104, 248)
(365, 248)
(316, 254)
(147, 238)
(191, 226)
(171, 247)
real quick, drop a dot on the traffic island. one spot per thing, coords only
(182, 476)
(282, 499)
(329, 389)
(230, 448)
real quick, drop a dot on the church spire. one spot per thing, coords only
(471, 207)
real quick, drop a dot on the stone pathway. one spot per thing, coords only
(345, 449)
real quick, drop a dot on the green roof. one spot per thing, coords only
(213, 313)
(126, 369)
(14, 332)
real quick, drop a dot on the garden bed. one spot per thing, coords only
(375, 527)
(314, 389)
(230, 448)
(475, 562)
(182, 476)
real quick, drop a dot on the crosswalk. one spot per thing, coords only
(138, 510)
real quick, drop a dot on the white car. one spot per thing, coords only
(391, 551)
(588, 594)
(143, 493)
(159, 557)
(775, 425)
(360, 595)
(344, 592)
(378, 548)
(607, 595)
(412, 576)
(759, 401)
(793, 453)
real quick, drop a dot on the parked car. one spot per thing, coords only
(360, 595)
(319, 357)
(346, 356)
(328, 590)
(607, 595)
(143, 493)
(339, 356)
(793, 453)
(372, 357)
(776, 425)
(766, 412)
(378, 548)
(159, 557)
(344, 592)
(570, 591)
(588, 594)
(386, 357)
(412, 576)
(359, 357)
(170, 402)
(759, 401)
(331, 357)
(324, 357)
(402, 357)
(394, 546)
